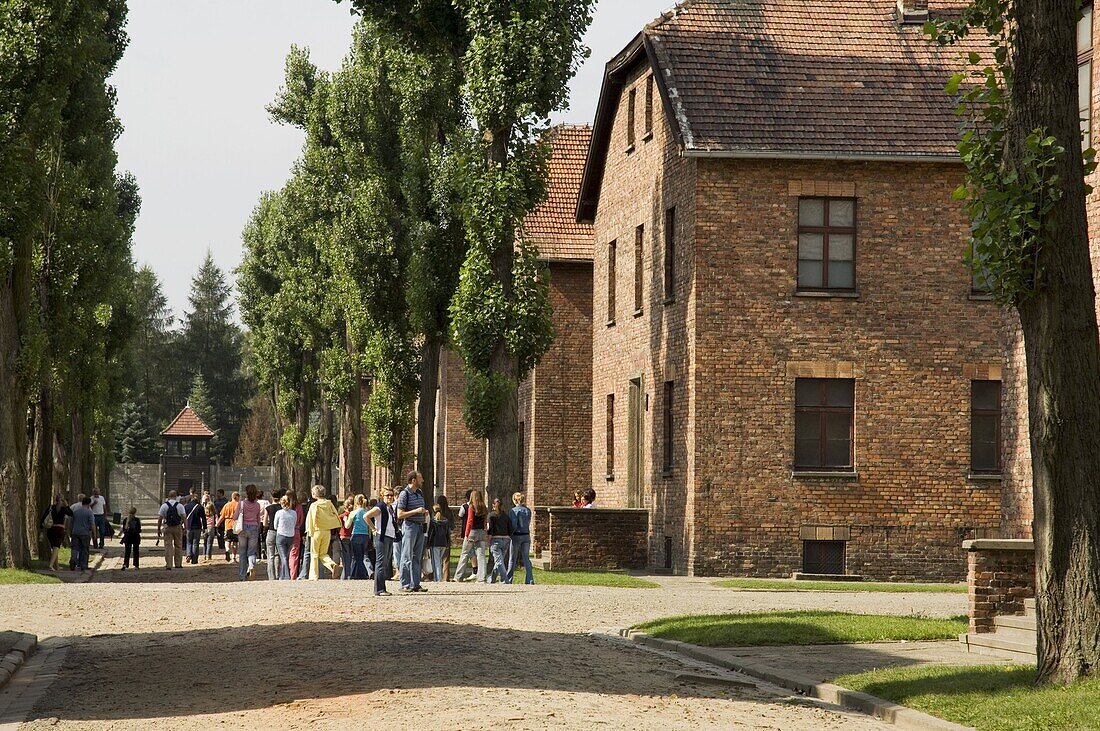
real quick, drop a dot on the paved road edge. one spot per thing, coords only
(19, 654)
(882, 709)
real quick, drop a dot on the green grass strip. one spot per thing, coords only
(588, 578)
(16, 576)
(791, 585)
(989, 698)
(799, 628)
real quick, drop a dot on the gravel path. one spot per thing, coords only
(157, 649)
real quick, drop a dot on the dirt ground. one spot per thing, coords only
(197, 649)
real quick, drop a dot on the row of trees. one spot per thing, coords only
(66, 220)
(397, 233)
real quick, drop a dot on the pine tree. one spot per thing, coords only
(211, 345)
(203, 405)
(135, 442)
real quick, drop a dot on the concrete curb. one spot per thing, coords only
(884, 710)
(18, 655)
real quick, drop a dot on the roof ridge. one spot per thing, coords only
(669, 14)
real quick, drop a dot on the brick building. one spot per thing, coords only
(791, 369)
(555, 401)
(1017, 506)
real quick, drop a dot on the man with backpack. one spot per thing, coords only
(171, 517)
(412, 512)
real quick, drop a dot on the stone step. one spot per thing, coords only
(1022, 622)
(996, 644)
(1029, 607)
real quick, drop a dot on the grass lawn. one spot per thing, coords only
(799, 628)
(15, 576)
(998, 698)
(573, 578)
(791, 585)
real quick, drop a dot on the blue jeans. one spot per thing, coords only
(193, 536)
(501, 550)
(383, 557)
(358, 556)
(208, 542)
(521, 547)
(439, 555)
(101, 529)
(412, 551)
(272, 554)
(248, 548)
(304, 573)
(80, 551)
(347, 561)
(284, 544)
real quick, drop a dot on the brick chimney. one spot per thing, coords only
(912, 12)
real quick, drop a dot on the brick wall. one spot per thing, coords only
(461, 462)
(654, 345)
(556, 401)
(598, 539)
(1000, 575)
(540, 529)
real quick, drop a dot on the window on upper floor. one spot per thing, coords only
(670, 255)
(980, 286)
(823, 423)
(1084, 74)
(639, 268)
(611, 282)
(985, 427)
(669, 451)
(631, 108)
(649, 106)
(826, 244)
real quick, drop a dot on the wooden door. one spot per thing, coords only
(634, 441)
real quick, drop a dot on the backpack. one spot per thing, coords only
(172, 514)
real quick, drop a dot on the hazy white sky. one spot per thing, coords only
(191, 95)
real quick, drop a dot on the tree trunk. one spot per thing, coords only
(351, 443)
(425, 417)
(327, 448)
(41, 467)
(1062, 346)
(300, 470)
(503, 474)
(76, 455)
(15, 291)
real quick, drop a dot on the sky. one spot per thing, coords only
(192, 89)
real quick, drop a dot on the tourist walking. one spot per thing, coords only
(521, 538)
(52, 521)
(382, 522)
(274, 563)
(439, 539)
(246, 525)
(99, 512)
(307, 558)
(211, 530)
(321, 520)
(475, 542)
(356, 523)
(82, 533)
(500, 542)
(195, 523)
(345, 539)
(296, 550)
(286, 528)
(264, 505)
(226, 521)
(220, 501)
(412, 511)
(131, 540)
(171, 519)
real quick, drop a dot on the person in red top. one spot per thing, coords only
(578, 499)
(345, 538)
(476, 542)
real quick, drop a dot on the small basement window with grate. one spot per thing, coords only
(823, 557)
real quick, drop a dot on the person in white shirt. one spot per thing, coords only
(99, 510)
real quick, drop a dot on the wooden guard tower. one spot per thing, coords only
(185, 463)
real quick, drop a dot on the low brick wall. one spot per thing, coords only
(540, 529)
(598, 539)
(1000, 575)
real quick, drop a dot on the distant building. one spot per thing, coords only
(792, 368)
(186, 463)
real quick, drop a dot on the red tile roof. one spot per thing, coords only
(802, 79)
(827, 77)
(553, 226)
(187, 424)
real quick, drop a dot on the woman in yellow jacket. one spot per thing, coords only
(320, 522)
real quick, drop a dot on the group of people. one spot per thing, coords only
(396, 534)
(88, 527)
